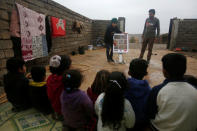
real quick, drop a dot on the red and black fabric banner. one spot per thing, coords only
(58, 27)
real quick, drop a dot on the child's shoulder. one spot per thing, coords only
(137, 81)
(19, 76)
(101, 96)
(37, 84)
(54, 77)
(24, 78)
(82, 93)
(89, 92)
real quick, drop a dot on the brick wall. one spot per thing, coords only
(186, 34)
(163, 39)
(5, 42)
(60, 45)
(99, 28)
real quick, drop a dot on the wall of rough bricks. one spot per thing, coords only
(60, 45)
(186, 34)
(99, 28)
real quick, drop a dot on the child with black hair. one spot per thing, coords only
(115, 113)
(138, 91)
(58, 65)
(77, 108)
(99, 85)
(172, 105)
(38, 90)
(16, 84)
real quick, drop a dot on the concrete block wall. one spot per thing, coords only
(187, 34)
(5, 42)
(60, 45)
(98, 28)
(184, 34)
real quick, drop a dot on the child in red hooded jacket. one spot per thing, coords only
(58, 65)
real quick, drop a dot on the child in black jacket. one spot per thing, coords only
(38, 90)
(16, 84)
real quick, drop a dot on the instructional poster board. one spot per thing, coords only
(121, 43)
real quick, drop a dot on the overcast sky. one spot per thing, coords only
(135, 11)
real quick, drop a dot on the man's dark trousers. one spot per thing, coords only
(109, 51)
(149, 42)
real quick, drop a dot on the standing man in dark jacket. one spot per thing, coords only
(111, 30)
(148, 36)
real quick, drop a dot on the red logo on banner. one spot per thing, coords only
(58, 26)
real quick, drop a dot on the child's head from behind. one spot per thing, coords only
(59, 64)
(138, 68)
(113, 104)
(100, 82)
(120, 78)
(174, 65)
(72, 80)
(116, 85)
(38, 73)
(16, 65)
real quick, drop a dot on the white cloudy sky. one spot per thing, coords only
(135, 11)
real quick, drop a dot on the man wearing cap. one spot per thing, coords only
(149, 34)
(108, 38)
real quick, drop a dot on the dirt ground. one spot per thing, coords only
(93, 61)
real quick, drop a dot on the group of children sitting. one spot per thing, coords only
(113, 102)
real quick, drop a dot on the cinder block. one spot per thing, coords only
(4, 15)
(3, 5)
(3, 63)
(4, 24)
(6, 44)
(3, 71)
(2, 55)
(9, 53)
(4, 34)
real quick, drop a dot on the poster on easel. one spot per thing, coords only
(121, 43)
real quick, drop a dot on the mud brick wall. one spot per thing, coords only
(98, 28)
(5, 42)
(92, 29)
(163, 39)
(187, 34)
(60, 45)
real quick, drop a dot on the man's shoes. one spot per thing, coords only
(112, 60)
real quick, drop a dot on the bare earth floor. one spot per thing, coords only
(89, 63)
(93, 61)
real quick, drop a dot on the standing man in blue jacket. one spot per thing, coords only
(108, 38)
(149, 34)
